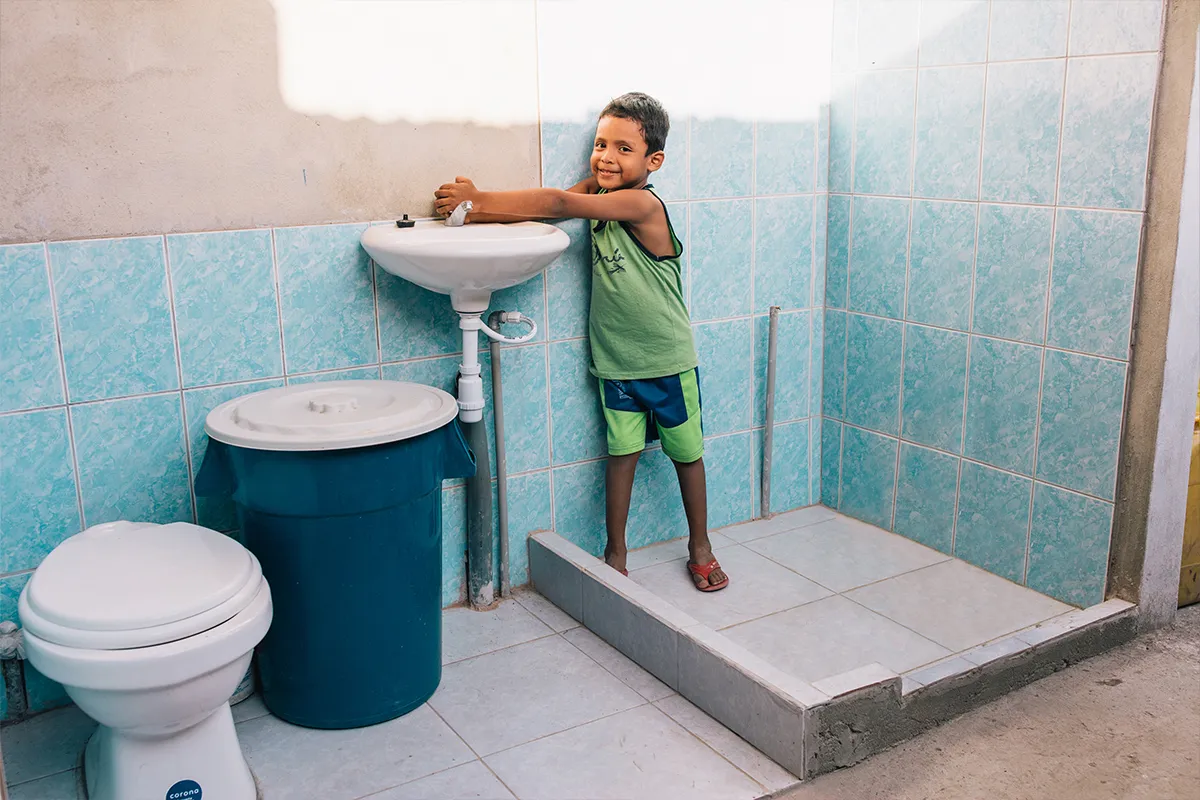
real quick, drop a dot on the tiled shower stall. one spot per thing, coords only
(987, 176)
(951, 364)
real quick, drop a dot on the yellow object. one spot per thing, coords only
(1189, 573)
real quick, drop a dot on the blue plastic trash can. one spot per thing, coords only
(338, 493)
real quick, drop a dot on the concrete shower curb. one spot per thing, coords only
(809, 728)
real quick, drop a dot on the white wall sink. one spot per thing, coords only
(468, 262)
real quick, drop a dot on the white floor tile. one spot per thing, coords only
(727, 743)
(46, 744)
(294, 762)
(674, 550)
(471, 781)
(543, 609)
(467, 633)
(831, 636)
(757, 587)
(512, 696)
(957, 605)
(63, 786)
(749, 531)
(638, 755)
(250, 708)
(615, 662)
(843, 553)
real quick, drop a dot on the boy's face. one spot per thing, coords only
(619, 157)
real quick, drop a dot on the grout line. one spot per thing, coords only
(467, 744)
(900, 394)
(550, 632)
(1037, 424)
(1037, 432)
(977, 462)
(912, 184)
(279, 303)
(549, 403)
(957, 498)
(755, 492)
(565, 730)
(990, 202)
(183, 421)
(62, 365)
(991, 337)
(680, 201)
(62, 361)
(708, 746)
(1062, 117)
(378, 321)
(18, 573)
(841, 461)
(1033, 60)
(596, 661)
(962, 441)
(1029, 535)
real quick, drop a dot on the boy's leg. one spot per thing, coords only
(618, 487)
(626, 423)
(692, 486)
(683, 441)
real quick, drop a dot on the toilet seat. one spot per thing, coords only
(124, 585)
(168, 664)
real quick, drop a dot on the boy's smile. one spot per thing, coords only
(619, 157)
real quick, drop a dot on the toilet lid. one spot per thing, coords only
(129, 584)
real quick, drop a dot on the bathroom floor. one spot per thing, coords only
(817, 594)
(531, 706)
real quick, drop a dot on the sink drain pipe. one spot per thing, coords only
(481, 590)
(769, 431)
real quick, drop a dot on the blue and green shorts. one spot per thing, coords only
(639, 411)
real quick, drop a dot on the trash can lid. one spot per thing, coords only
(331, 416)
(134, 584)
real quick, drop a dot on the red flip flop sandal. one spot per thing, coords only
(704, 570)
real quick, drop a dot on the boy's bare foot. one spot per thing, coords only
(616, 559)
(702, 556)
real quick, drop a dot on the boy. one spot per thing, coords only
(639, 330)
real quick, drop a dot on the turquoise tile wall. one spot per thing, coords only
(987, 187)
(958, 225)
(123, 346)
(749, 202)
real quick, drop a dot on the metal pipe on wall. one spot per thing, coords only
(501, 453)
(768, 433)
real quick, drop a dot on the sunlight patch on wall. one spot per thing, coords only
(422, 61)
(760, 60)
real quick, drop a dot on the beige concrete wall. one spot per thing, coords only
(121, 117)
(1144, 561)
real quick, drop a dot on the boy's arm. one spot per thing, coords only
(588, 185)
(534, 204)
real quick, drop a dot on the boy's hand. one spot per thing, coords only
(452, 194)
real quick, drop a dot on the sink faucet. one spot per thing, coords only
(456, 219)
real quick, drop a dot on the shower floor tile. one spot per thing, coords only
(831, 636)
(816, 594)
(957, 605)
(533, 706)
(757, 587)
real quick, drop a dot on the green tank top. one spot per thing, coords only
(638, 324)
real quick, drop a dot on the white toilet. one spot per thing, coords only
(150, 628)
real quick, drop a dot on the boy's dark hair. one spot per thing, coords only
(645, 111)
